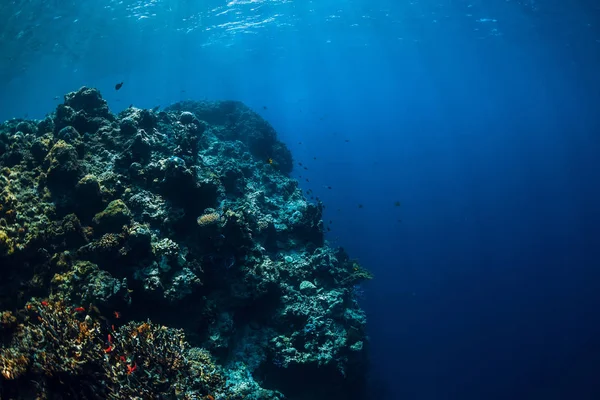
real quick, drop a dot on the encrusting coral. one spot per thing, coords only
(185, 217)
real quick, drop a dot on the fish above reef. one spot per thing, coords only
(119, 85)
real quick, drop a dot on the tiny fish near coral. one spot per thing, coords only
(131, 369)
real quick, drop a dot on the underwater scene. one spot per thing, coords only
(299, 199)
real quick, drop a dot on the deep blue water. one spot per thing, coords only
(480, 118)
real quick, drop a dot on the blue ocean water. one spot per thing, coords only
(454, 144)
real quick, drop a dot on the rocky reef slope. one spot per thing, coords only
(160, 255)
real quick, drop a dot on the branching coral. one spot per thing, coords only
(69, 350)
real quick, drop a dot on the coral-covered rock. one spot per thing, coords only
(68, 134)
(63, 165)
(88, 190)
(114, 217)
(186, 217)
(186, 117)
(88, 100)
(128, 126)
(40, 147)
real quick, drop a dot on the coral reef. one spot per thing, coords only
(184, 217)
(67, 350)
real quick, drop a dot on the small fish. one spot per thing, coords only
(299, 142)
(44, 303)
(305, 168)
(264, 107)
(108, 349)
(360, 206)
(122, 358)
(119, 85)
(300, 164)
(307, 180)
(131, 369)
(397, 204)
(117, 314)
(110, 338)
(347, 140)
(270, 161)
(314, 158)
(328, 187)
(328, 229)
(79, 309)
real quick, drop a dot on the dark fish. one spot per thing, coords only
(299, 142)
(300, 164)
(328, 229)
(118, 85)
(397, 204)
(360, 206)
(347, 140)
(305, 168)
(264, 107)
(307, 180)
(328, 187)
(314, 158)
